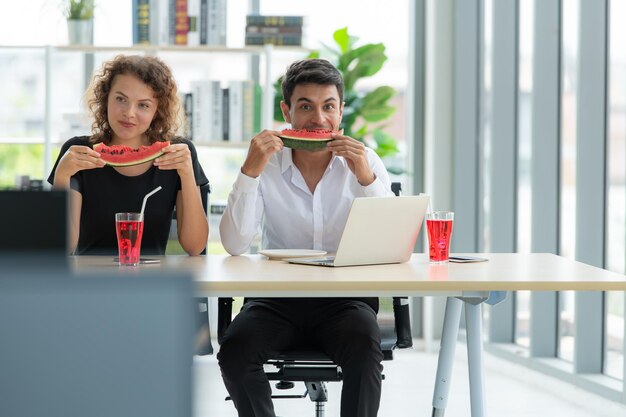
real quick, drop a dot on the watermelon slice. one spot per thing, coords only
(123, 156)
(310, 140)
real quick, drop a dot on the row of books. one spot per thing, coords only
(216, 113)
(275, 30)
(179, 22)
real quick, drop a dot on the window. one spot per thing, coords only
(616, 176)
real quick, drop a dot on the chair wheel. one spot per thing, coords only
(284, 385)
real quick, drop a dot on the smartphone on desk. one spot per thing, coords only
(143, 260)
(466, 259)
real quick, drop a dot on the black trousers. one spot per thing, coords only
(346, 329)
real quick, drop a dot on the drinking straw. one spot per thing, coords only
(143, 206)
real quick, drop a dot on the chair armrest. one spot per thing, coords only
(224, 316)
(402, 323)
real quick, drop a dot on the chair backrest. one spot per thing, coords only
(96, 345)
(401, 314)
(205, 192)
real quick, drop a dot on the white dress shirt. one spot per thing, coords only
(290, 216)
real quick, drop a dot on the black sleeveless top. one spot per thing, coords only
(106, 192)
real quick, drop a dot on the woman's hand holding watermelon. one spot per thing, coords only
(355, 155)
(178, 157)
(77, 158)
(262, 147)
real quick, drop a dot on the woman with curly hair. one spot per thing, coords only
(134, 102)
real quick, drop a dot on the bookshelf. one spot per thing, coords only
(263, 56)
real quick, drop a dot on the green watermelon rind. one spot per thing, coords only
(110, 159)
(305, 144)
(309, 144)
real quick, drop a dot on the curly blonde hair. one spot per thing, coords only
(155, 74)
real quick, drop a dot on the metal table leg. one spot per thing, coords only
(445, 362)
(473, 322)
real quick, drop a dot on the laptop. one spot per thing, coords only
(97, 345)
(34, 227)
(379, 230)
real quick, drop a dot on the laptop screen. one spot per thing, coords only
(96, 346)
(34, 227)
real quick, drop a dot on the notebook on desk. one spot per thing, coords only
(379, 230)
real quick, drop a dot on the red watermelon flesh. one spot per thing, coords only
(315, 134)
(122, 155)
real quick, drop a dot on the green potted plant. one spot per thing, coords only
(364, 111)
(79, 14)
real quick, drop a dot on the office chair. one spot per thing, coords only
(313, 367)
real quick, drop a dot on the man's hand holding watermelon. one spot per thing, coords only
(262, 147)
(355, 154)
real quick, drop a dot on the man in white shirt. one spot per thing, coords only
(301, 199)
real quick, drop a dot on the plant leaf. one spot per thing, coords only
(378, 96)
(278, 97)
(360, 108)
(386, 145)
(342, 39)
(361, 133)
(364, 61)
(372, 54)
(376, 114)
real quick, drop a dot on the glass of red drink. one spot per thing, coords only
(439, 225)
(129, 228)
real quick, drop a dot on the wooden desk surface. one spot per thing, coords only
(222, 275)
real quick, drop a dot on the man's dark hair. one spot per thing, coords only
(311, 71)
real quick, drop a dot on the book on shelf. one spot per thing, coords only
(268, 39)
(193, 15)
(141, 22)
(247, 123)
(257, 105)
(171, 21)
(225, 114)
(273, 30)
(216, 22)
(204, 22)
(201, 110)
(232, 113)
(188, 108)
(235, 111)
(159, 24)
(260, 20)
(182, 22)
(217, 130)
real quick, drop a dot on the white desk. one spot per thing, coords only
(465, 285)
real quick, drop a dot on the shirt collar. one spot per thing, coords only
(286, 160)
